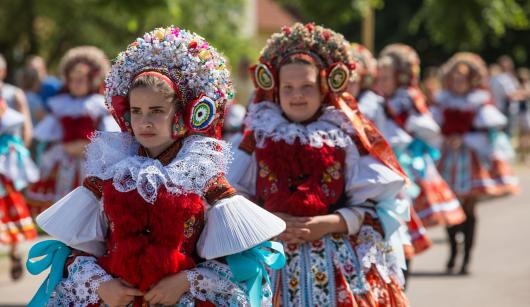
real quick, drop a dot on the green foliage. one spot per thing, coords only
(49, 27)
(457, 24)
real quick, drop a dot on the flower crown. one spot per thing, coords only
(328, 49)
(479, 71)
(406, 62)
(367, 68)
(190, 62)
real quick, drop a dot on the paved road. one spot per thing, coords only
(500, 268)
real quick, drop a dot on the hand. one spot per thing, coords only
(168, 290)
(115, 293)
(308, 229)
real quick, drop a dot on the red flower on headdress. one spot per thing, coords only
(192, 45)
(326, 35)
(286, 30)
(310, 26)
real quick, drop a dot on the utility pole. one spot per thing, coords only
(368, 28)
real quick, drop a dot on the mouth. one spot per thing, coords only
(147, 135)
(298, 104)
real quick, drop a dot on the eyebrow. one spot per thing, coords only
(151, 108)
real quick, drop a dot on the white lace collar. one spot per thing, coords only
(66, 105)
(113, 155)
(332, 128)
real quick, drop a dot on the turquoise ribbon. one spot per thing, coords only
(417, 150)
(404, 159)
(55, 254)
(248, 267)
(392, 213)
(7, 143)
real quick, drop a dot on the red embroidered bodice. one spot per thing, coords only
(148, 242)
(299, 179)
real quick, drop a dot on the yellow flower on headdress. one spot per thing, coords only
(160, 34)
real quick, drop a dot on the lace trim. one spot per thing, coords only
(265, 119)
(81, 285)
(113, 155)
(372, 249)
(212, 281)
(66, 105)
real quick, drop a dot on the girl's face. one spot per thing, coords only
(300, 96)
(459, 83)
(151, 119)
(79, 81)
(386, 80)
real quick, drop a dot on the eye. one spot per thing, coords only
(158, 111)
(135, 111)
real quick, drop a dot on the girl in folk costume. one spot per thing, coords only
(475, 152)
(155, 197)
(397, 79)
(75, 115)
(372, 106)
(16, 172)
(323, 168)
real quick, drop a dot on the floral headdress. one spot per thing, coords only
(405, 61)
(366, 65)
(92, 56)
(196, 71)
(477, 67)
(329, 51)
(322, 46)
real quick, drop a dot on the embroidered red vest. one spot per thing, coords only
(299, 179)
(77, 128)
(457, 121)
(147, 242)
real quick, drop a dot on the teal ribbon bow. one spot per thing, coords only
(248, 267)
(55, 254)
(391, 214)
(417, 150)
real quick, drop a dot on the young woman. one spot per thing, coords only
(75, 115)
(475, 151)
(323, 168)
(155, 198)
(397, 81)
(16, 172)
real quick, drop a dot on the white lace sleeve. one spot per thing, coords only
(81, 285)
(212, 281)
(242, 173)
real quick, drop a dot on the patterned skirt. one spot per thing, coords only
(60, 174)
(16, 224)
(436, 204)
(470, 174)
(418, 236)
(341, 270)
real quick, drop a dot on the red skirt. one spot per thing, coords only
(16, 224)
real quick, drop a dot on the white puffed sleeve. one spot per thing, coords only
(396, 137)
(108, 123)
(235, 224)
(367, 179)
(424, 127)
(243, 171)
(78, 221)
(48, 130)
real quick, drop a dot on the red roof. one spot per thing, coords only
(271, 16)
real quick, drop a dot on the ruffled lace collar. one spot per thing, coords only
(114, 155)
(332, 128)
